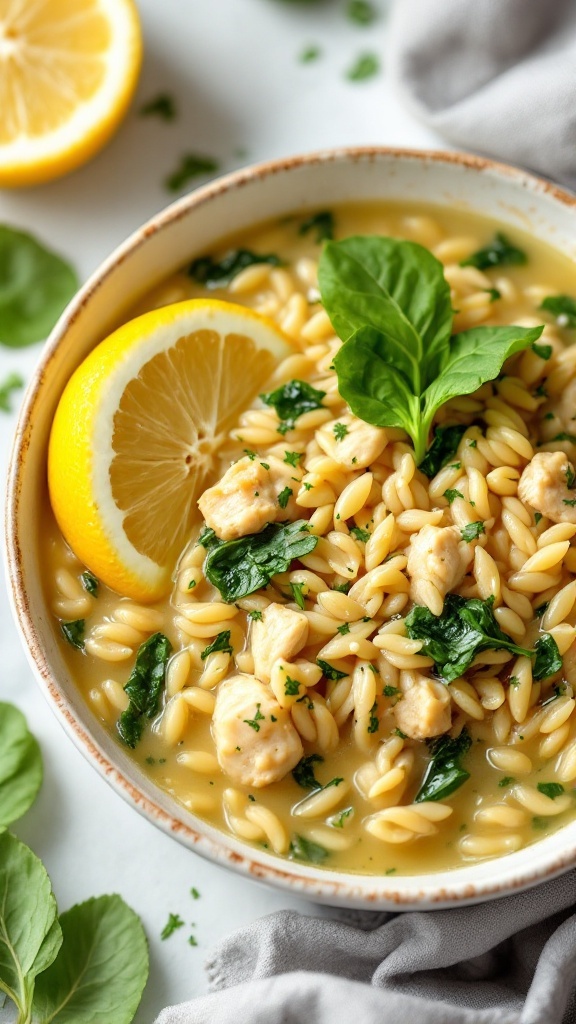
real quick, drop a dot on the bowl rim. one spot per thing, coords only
(336, 888)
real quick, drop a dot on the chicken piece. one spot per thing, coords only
(360, 445)
(544, 485)
(280, 633)
(561, 411)
(256, 742)
(252, 493)
(437, 555)
(424, 708)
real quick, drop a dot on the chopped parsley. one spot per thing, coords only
(192, 165)
(451, 495)
(192, 940)
(220, 643)
(342, 588)
(339, 430)
(292, 458)
(13, 382)
(162, 106)
(254, 722)
(192, 584)
(291, 687)
(284, 496)
(329, 671)
(297, 590)
(508, 780)
(392, 691)
(472, 531)
(374, 721)
(309, 54)
(402, 735)
(537, 517)
(565, 436)
(570, 476)
(359, 534)
(344, 628)
(338, 820)
(494, 294)
(194, 893)
(172, 925)
(251, 455)
(569, 501)
(366, 66)
(255, 615)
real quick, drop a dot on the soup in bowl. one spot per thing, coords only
(308, 574)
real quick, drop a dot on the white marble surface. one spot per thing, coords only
(233, 67)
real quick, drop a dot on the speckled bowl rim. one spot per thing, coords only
(321, 886)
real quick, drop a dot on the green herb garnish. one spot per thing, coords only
(35, 286)
(73, 632)
(192, 165)
(162, 106)
(472, 531)
(550, 789)
(13, 382)
(359, 534)
(292, 400)
(220, 643)
(239, 567)
(445, 773)
(500, 252)
(292, 458)
(284, 496)
(219, 273)
(338, 820)
(144, 687)
(362, 12)
(291, 687)
(373, 722)
(321, 224)
(366, 66)
(254, 722)
(297, 591)
(548, 658)
(309, 54)
(329, 671)
(303, 773)
(563, 307)
(305, 849)
(451, 495)
(172, 925)
(508, 780)
(89, 582)
(255, 615)
(343, 629)
(443, 447)
(339, 430)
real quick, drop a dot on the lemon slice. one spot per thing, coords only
(137, 430)
(68, 69)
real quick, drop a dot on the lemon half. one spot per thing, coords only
(137, 430)
(68, 70)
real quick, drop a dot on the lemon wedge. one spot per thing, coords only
(137, 431)
(68, 70)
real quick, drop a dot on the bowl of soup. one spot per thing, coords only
(363, 654)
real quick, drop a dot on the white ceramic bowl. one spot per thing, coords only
(193, 225)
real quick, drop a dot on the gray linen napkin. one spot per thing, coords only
(511, 961)
(494, 76)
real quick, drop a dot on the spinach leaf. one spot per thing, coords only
(192, 165)
(389, 302)
(542, 351)
(500, 252)
(443, 447)
(20, 766)
(563, 307)
(162, 106)
(551, 789)
(303, 773)
(329, 671)
(35, 286)
(101, 970)
(239, 567)
(548, 659)
(292, 400)
(10, 383)
(304, 849)
(221, 643)
(30, 935)
(445, 773)
(322, 224)
(89, 582)
(144, 687)
(218, 273)
(73, 632)
(454, 638)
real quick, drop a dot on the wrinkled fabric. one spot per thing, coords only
(497, 77)
(510, 961)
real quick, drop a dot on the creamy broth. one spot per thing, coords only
(514, 748)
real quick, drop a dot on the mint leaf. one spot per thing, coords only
(20, 766)
(219, 273)
(35, 286)
(100, 972)
(500, 252)
(144, 687)
(239, 567)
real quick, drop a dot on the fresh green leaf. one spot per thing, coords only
(443, 447)
(220, 643)
(540, 609)
(373, 721)
(570, 479)
(565, 436)
(367, 65)
(343, 629)
(192, 940)
(451, 495)
(73, 632)
(100, 972)
(20, 766)
(292, 458)
(89, 582)
(454, 638)
(192, 165)
(392, 691)
(30, 935)
(144, 687)
(194, 893)
(162, 106)
(563, 307)
(548, 658)
(296, 590)
(291, 687)
(542, 351)
(507, 780)
(255, 615)
(551, 789)
(254, 722)
(219, 273)
(35, 286)
(362, 12)
(389, 302)
(310, 54)
(172, 925)
(329, 671)
(303, 773)
(445, 773)
(305, 849)
(322, 224)
(339, 430)
(472, 531)
(500, 252)
(284, 496)
(239, 567)
(359, 534)
(208, 539)
(339, 820)
(10, 383)
(292, 400)
(494, 294)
